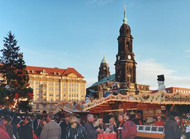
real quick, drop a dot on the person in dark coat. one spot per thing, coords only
(36, 124)
(172, 130)
(137, 119)
(120, 125)
(7, 123)
(39, 129)
(91, 132)
(75, 131)
(14, 123)
(64, 124)
(25, 131)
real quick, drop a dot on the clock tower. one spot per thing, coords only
(125, 65)
(103, 70)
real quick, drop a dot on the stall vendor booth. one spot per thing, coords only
(151, 105)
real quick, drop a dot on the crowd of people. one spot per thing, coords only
(66, 127)
(69, 126)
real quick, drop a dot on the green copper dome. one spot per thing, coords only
(104, 60)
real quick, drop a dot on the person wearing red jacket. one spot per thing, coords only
(159, 121)
(129, 130)
(3, 133)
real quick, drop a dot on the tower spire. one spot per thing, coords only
(104, 60)
(103, 69)
(125, 18)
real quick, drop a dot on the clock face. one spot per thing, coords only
(104, 68)
(129, 56)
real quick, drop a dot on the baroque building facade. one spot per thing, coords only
(53, 85)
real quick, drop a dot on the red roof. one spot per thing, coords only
(153, 91)
(53, 71)
(172, 89)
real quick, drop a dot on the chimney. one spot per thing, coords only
(161, 86)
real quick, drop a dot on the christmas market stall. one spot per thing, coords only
(76, 108)
(141, 101)
(151, 105)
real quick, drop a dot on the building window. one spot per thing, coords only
(44, 82)
(44, 105)
(37, 82)
(50, 94)
(50, 83)
(51, 100)
(37, 106)
(57, 89)
(51, 106)
(51, 88)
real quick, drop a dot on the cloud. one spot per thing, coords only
(148, 70)
(100, 2)
(187, 53)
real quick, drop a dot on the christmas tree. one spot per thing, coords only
(21, 78)
(9, 58)
(15, 86)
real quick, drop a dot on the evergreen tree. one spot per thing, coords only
(15, 75)
(20, 78)
(9, 58)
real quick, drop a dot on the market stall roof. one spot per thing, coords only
(69, 107)
(137, 101)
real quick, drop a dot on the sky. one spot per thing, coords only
(78, 33)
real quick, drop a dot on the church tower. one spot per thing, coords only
(125, 65)
(103, 70)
